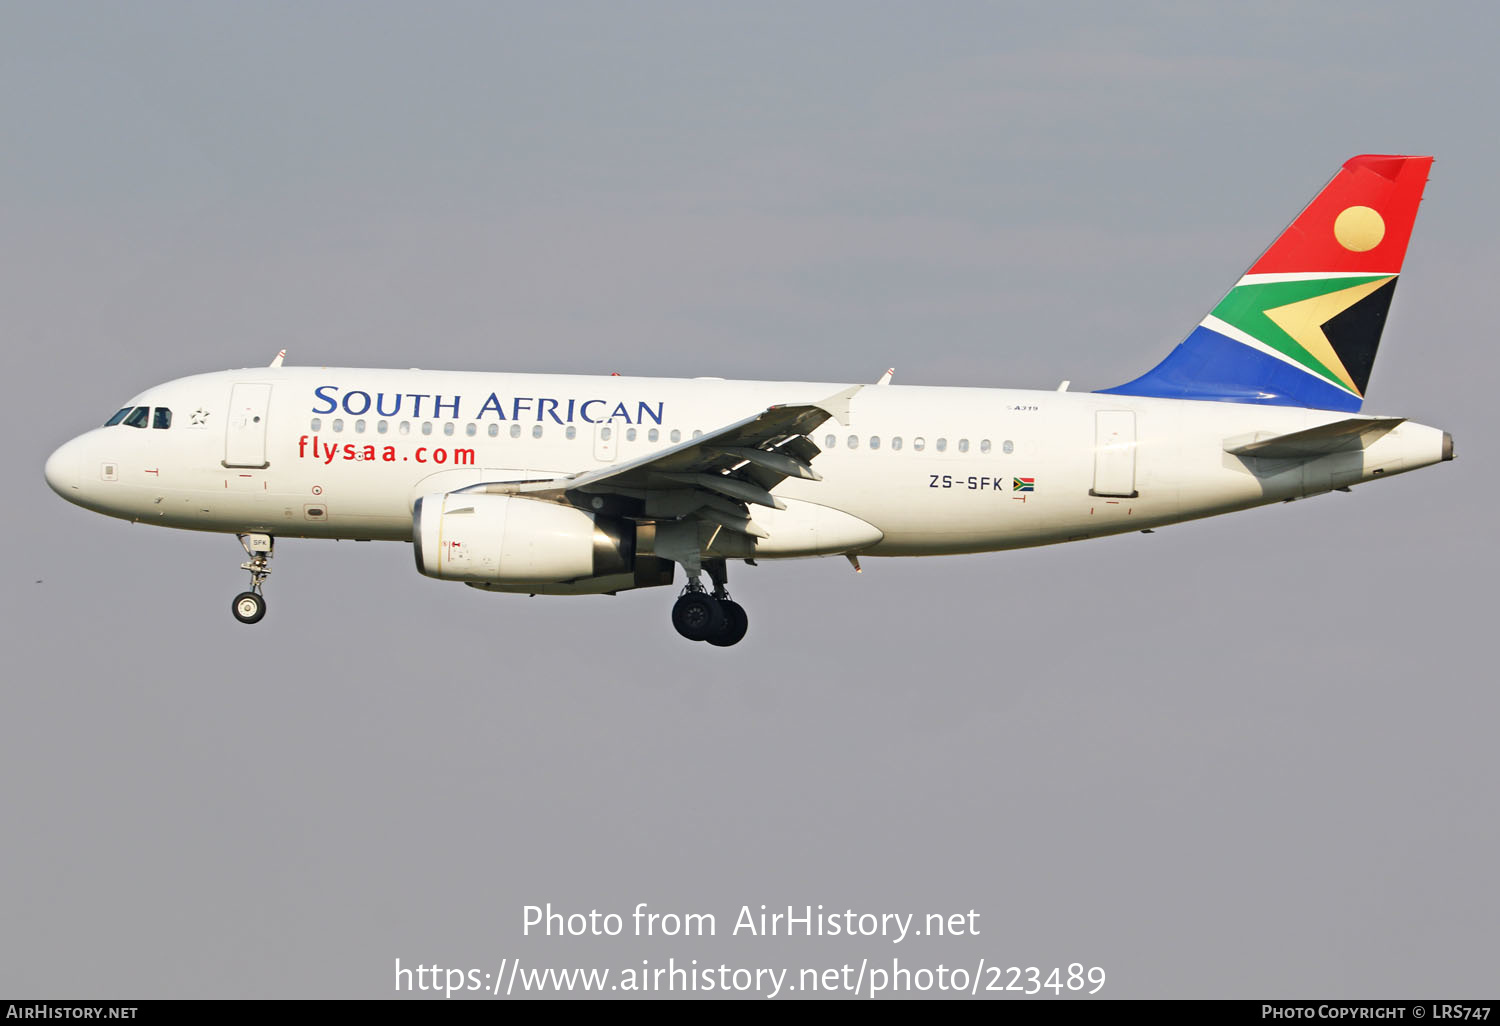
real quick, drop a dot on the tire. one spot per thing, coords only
(697, 616)
(736, 623)
(248, 607)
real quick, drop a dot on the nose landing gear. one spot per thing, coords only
(714, 618)
(250, 606)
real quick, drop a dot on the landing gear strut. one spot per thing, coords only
(715, 618)
(250, 606)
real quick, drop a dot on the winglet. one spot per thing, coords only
(885, 379)
(279, 357)
(837, 405)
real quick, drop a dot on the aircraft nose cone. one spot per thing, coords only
(62, 471)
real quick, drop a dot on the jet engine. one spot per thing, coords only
(506, 540)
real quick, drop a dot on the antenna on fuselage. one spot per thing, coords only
(279, 357)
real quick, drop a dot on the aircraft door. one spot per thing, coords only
(606, 439)
(245, 434)
(1114, 454)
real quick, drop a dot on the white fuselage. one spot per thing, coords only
(346, 453)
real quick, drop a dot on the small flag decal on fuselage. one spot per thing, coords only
(1024, 484)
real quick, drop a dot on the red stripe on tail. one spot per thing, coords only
(1337, 232)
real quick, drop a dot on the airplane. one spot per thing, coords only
(578, 485)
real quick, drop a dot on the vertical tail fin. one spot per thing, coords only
(1302, 325)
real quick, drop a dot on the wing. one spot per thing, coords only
(715, 477)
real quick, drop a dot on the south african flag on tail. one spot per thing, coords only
(1302, 325)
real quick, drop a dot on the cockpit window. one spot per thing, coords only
(137, 417)
(111, 422)
(162, 418)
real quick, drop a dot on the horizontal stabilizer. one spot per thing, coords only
(1350, 435)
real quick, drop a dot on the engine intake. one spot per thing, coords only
(503, 539)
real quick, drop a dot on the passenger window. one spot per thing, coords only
(494, 430)
(382, 426)
(941, 445)
(676, 435)
(651, 435)
(111, 422)
(359, 427)
(448, 428)
(404, 427)
(918, 444)
(606, 433)
(515, 431)
(137, 417)
(896, 444)
(630, 434)
(984, 445)
(831, 442)
(426, 427)
(963, 445)
(317, 424)
(572, 432)
(1008, 447)
(338, 425)
(697, 434)
(162, 418)
(854, 441)
(536, 431)
(470, 428)
(874, 441)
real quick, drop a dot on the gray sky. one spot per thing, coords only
(1246, 757)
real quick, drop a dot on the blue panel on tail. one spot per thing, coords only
(1211, 366)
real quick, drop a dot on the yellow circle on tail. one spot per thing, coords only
(1359, 229)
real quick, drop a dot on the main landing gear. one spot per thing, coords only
(250, 606)
(715, 618)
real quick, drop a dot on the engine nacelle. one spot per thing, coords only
(503, 539)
